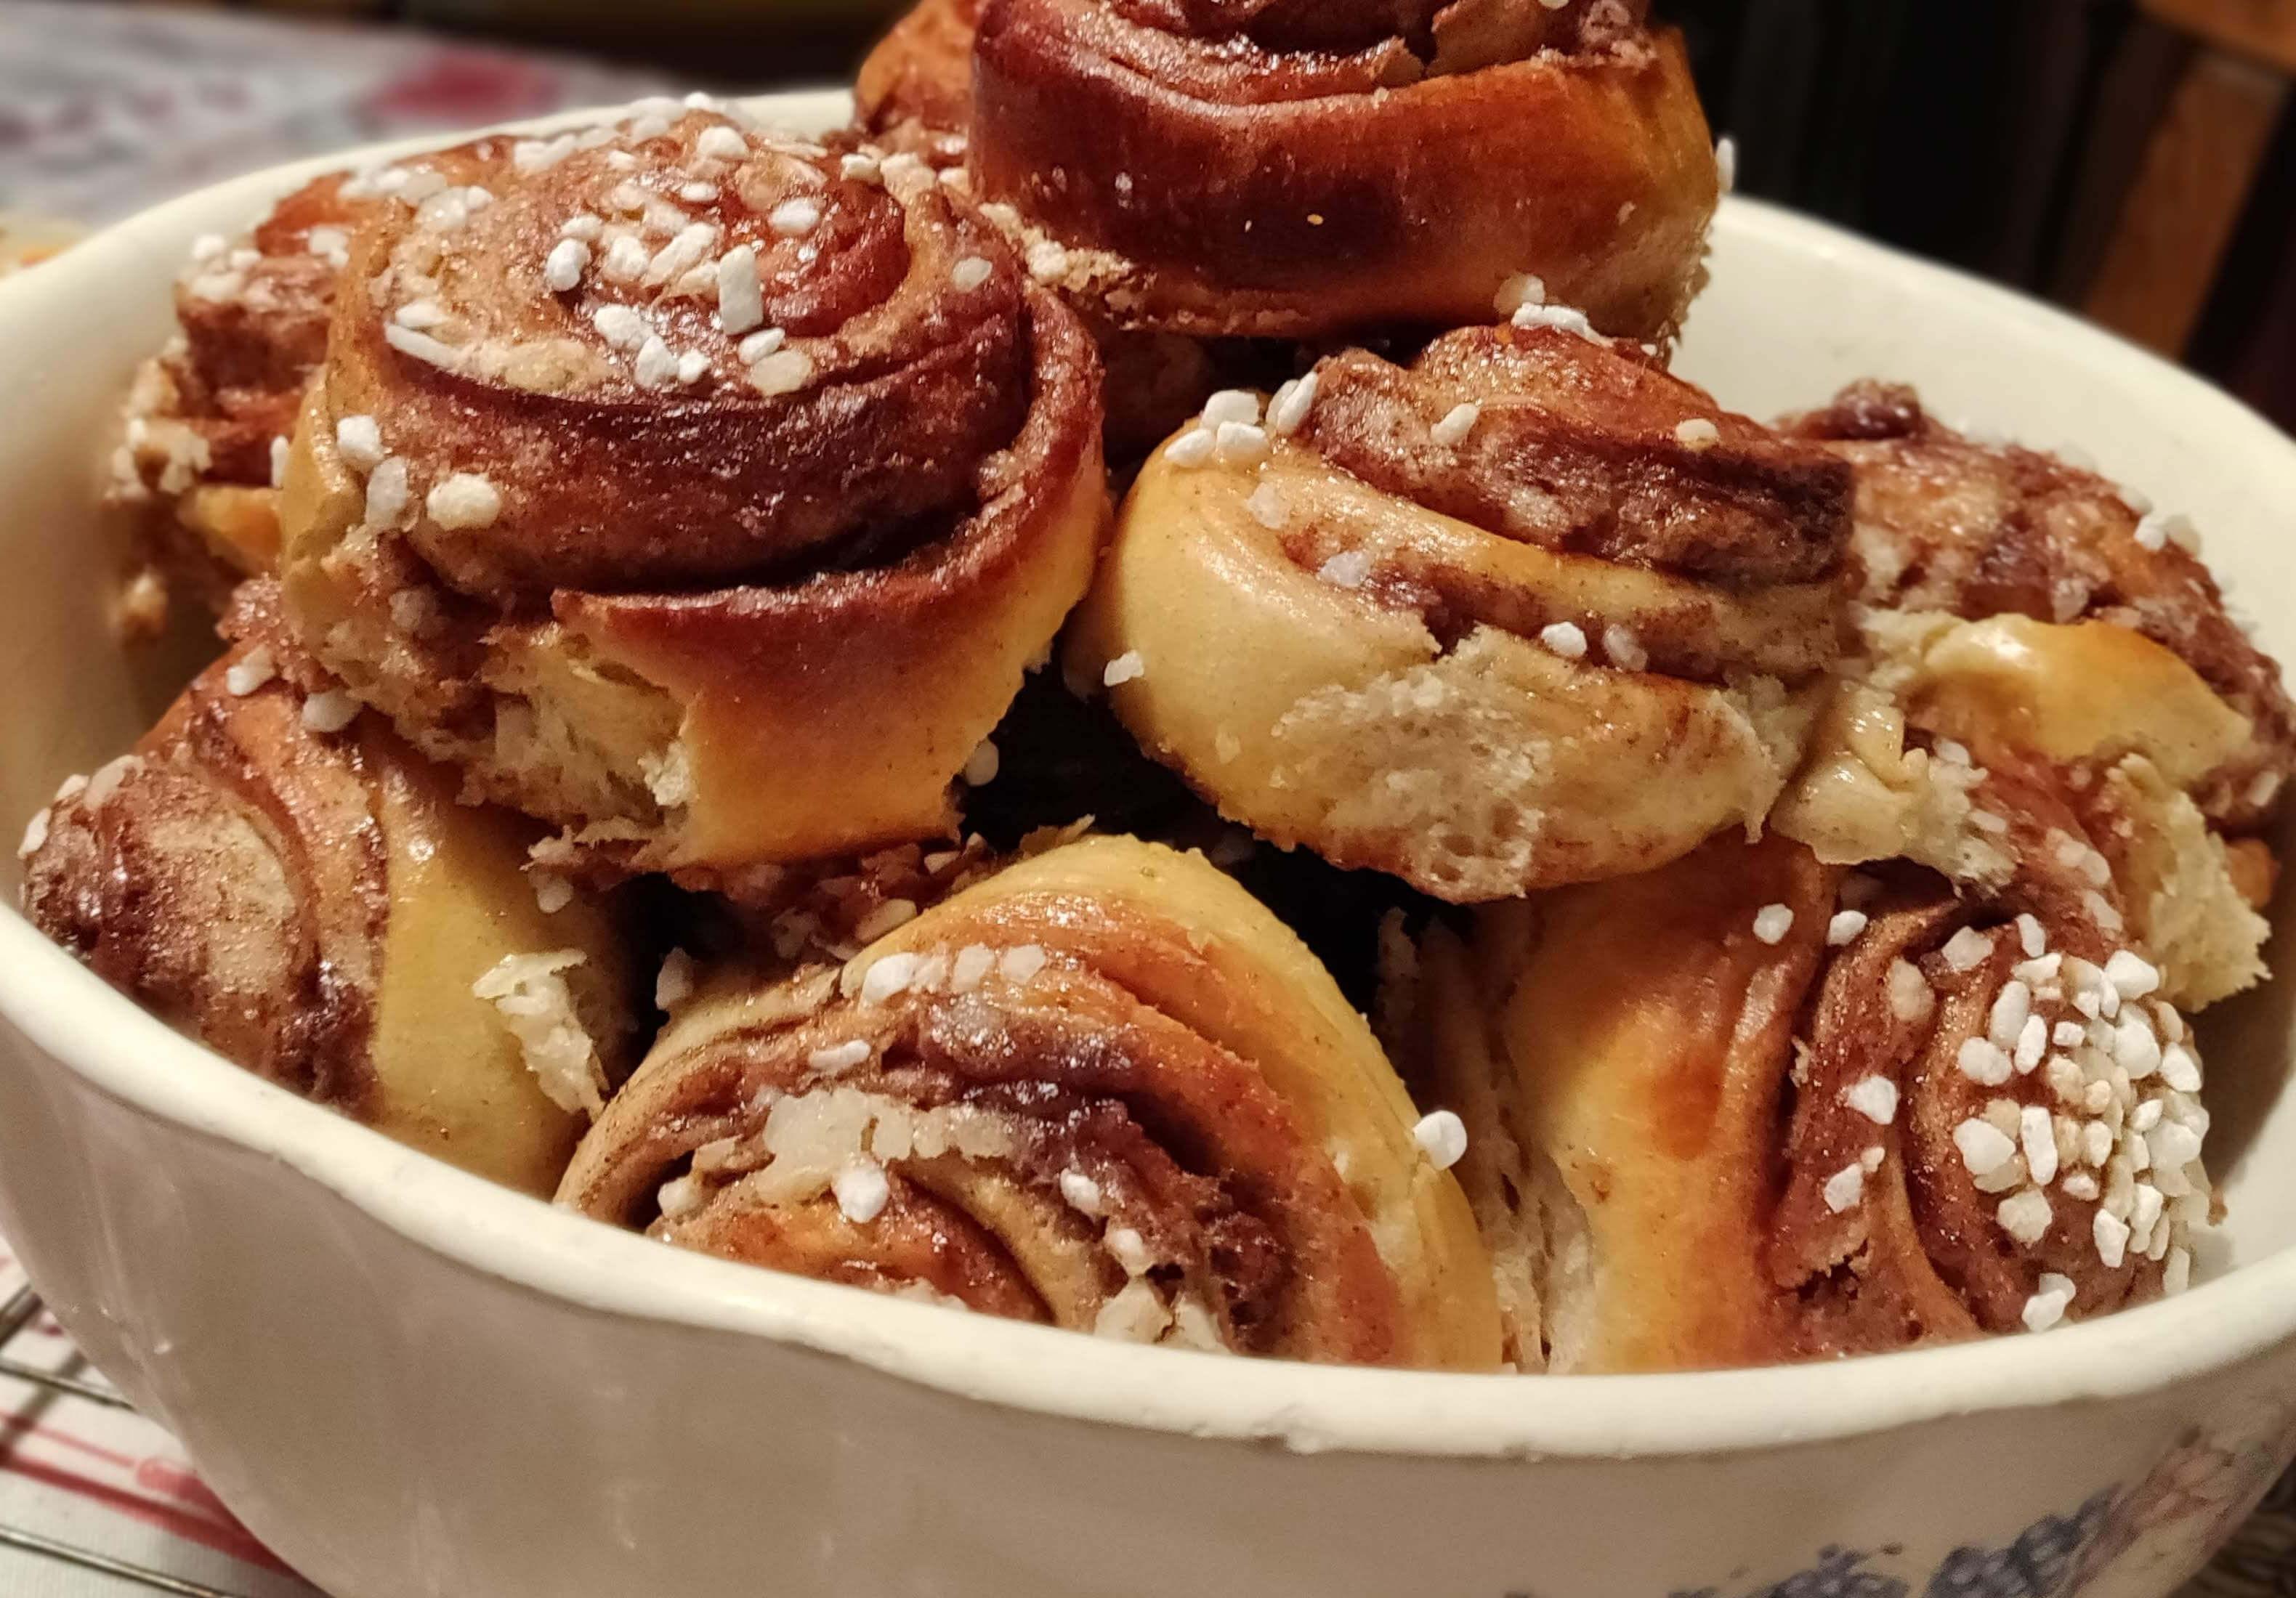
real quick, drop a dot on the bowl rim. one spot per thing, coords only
(114, 1047)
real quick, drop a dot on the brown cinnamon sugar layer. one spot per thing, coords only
(1253, 178)
(1946, 524)
(628, 481)
(920, 76)
(255, 327)
(1750, 1107)
(691, 493)
(232, 874)
(1527, 612)
(1288, 170)
(1103, 1089)
(1579, 448)
(209, 414)
(1432, 34)
(290, 883)
(915, 91)
(1924, 1252)
(249, 349)
(2021, 615)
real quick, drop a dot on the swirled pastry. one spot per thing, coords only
(2022, 614)
(207, 421)
(1103, 1089)
(280, 876)
(1946, 524)
(1530, 612)
(690, 493)
(1899, 763)
(913, 94)
(1749, 1108)
(1295, 168)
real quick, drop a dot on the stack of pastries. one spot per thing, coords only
(1182, 733)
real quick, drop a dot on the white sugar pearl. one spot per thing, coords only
(1442, 1136)
(562, 269)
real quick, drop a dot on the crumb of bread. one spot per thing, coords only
(668, 776)
(530, 992)
(2204, 941)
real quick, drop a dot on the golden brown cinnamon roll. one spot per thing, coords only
(1901, 755)
(277, 874)
(1947, 523)
(1750, 1107)
(208, 418)
(1531, 611)
(913, 94)
(703, 495)
(1103, 1089)
(1296, 168)
(2022, 613)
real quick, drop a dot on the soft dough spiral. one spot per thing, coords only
(208, 420)
(1950, 524)
(1103, 1089)
(1750, 1107)
(913, 94)
(1531, 611)
(698, 492)
(285, 880)
(2022, 613)
(1293, 167)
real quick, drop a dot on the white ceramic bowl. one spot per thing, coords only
(411, 1382)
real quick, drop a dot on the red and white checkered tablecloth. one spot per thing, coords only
(103, 1480)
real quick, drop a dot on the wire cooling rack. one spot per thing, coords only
(72, 1382)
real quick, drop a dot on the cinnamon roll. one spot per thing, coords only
(208, 420)
(280, 876)
(1293, 168)
(702, 493)
(1103, 1089)
(1530, 612)
(913, 94)
(1946, 524)
(2022, 613)
(1750, 1108)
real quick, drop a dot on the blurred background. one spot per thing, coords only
(2135, 160)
